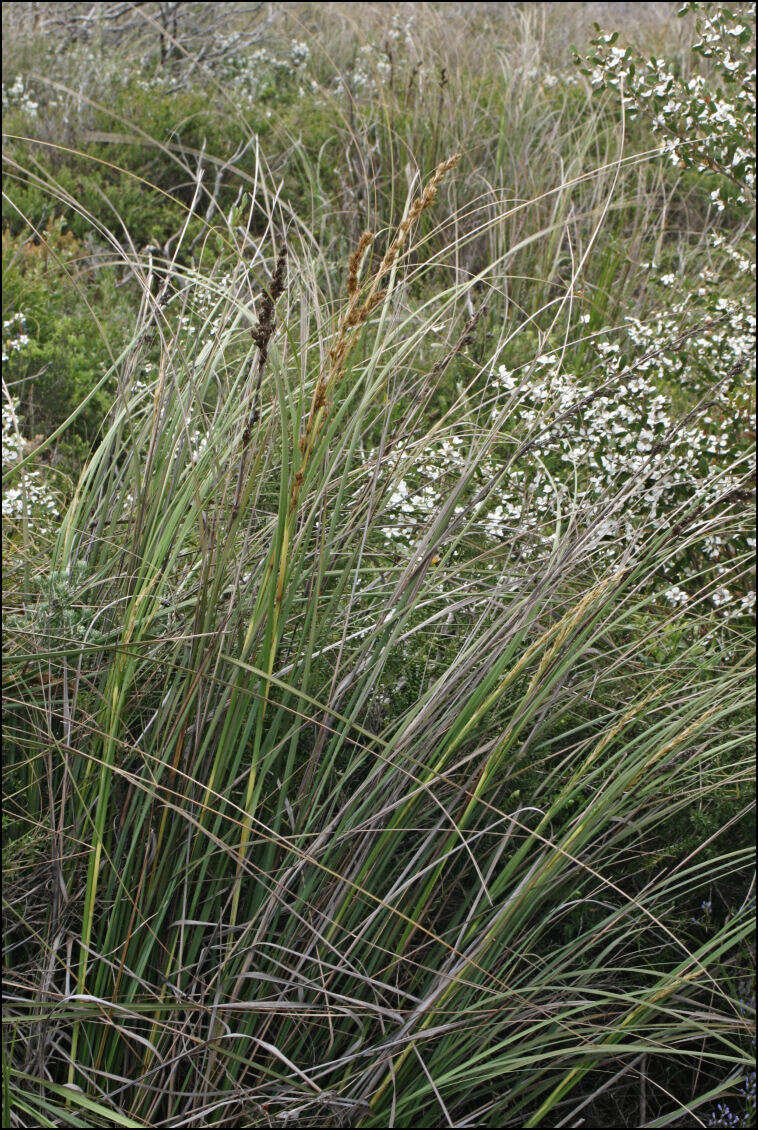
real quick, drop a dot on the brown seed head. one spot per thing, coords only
(355, 262)
(262, 332)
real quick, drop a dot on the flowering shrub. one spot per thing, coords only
(17, 337)
(18, 96)
(29, 494)
(620, 426)
(706, 122)
(632, 416)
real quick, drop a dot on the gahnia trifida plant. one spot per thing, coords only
(375, 715)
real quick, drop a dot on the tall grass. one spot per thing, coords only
(336, 823)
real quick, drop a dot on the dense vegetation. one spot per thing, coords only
(378, 535)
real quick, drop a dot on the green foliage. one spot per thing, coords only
(74, 314)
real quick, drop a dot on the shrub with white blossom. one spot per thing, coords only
(706, 121)
(26, 494)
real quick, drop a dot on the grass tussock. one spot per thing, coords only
(378, 654)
